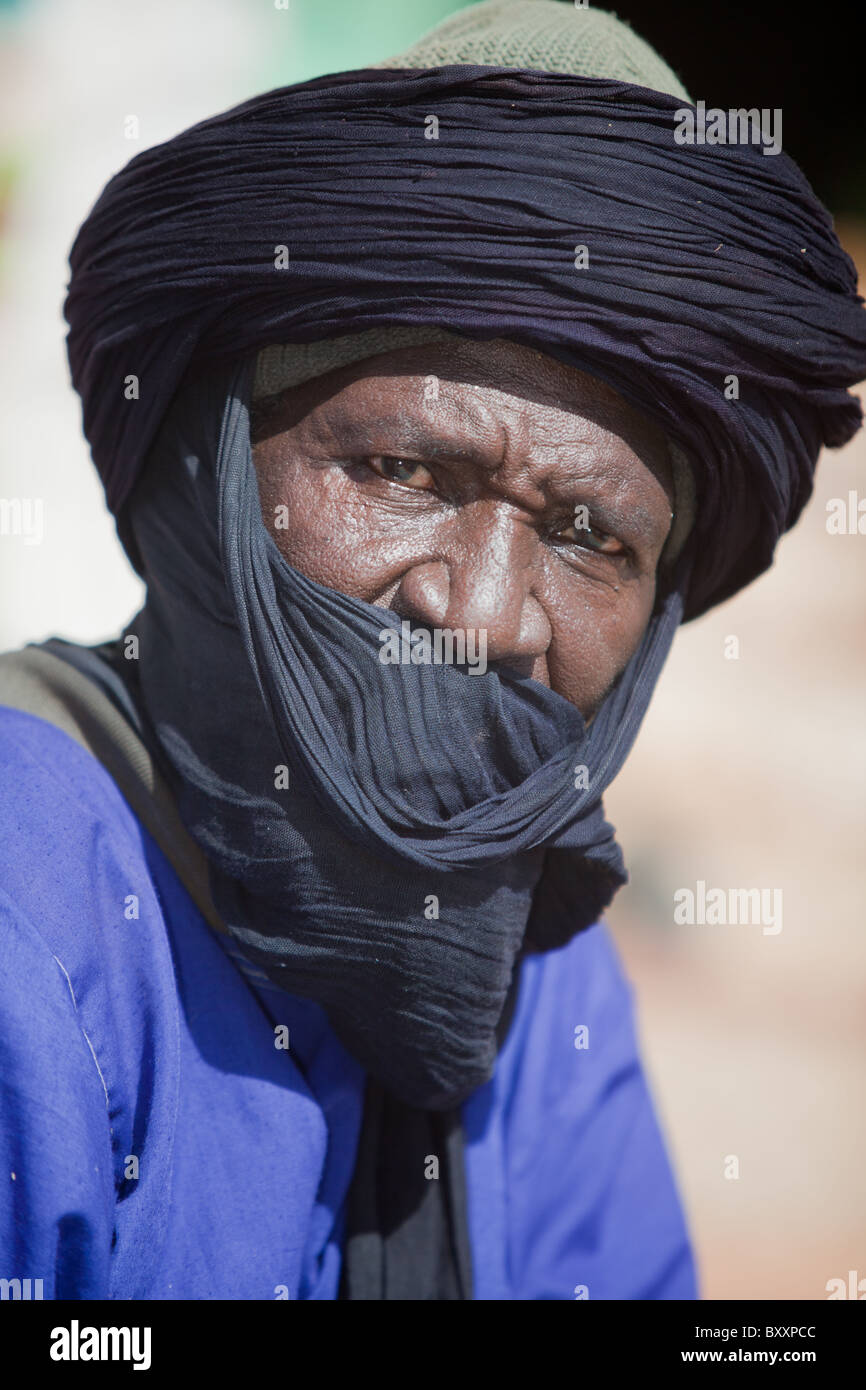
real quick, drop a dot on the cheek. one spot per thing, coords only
(595, 632)
(322, 526)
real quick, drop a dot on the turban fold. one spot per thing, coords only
(323, 207)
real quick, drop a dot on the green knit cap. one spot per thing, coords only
(545, 34)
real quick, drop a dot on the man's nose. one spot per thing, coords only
(483, 579)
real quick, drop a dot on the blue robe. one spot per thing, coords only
(158, 1142)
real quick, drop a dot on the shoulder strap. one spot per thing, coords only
(36, 682)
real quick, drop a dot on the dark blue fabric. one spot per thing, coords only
(704, 261)
(140, 1036)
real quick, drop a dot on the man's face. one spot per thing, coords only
(443, 484)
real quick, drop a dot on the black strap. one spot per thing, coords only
(37, 681)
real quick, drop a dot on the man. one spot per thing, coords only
(408, 388)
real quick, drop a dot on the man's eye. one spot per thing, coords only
(398, 470)
(592, 537)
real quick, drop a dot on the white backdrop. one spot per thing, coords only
(72, 72)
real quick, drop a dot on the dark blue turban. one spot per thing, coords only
(704, 261)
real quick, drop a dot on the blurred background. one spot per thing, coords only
(749, 771)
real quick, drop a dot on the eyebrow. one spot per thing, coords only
(432, 442)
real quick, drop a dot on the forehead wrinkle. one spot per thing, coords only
(472, 411)
(344, 420)
(563, 471)
(530, 445)
(610, 486)
(622, 500)
(510, 434)
(456, 426)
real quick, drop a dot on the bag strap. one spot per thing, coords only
(36, 682)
